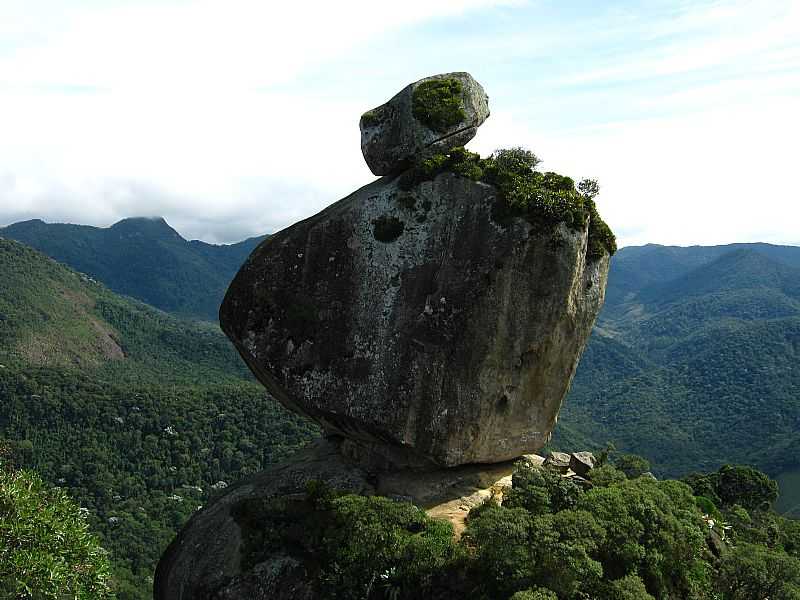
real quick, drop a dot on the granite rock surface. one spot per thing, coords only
(415, 326)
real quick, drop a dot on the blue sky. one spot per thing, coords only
(234, 118)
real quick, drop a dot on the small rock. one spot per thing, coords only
(582, 462)
(558, 461)
(432, 115)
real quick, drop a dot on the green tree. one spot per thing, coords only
(745, 486)
(606, 475)
(629, 587)
(752, 572)
(499, 538)
(632, 465)
(536, 593)
(541, 491)
(564, 550)
(46, 549)
(589, 188)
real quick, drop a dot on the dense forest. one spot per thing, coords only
(695, 360)
(698, 344)
(138, 416)
(621, 535)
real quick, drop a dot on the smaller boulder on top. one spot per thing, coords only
(432, 115)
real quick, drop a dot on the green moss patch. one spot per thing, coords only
(387, 229)
(438, 103)
(544, 199)
(371, 118)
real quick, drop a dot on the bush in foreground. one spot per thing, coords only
(46, 549)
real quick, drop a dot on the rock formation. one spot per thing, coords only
(422, 332)
(411, 322)
(434, 114)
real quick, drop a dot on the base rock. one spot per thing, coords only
(205, 561)
(416, 326)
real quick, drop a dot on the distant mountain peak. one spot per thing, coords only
(142, 257)
(146, 226)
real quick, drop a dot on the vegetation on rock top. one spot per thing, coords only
(438, 103)
(543, 199)
(619, 539)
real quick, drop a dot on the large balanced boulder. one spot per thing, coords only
(417, 327)
(432, 115)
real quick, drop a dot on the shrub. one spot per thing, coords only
(707, 507)
(735, 484)
(543, 199)
(351, 545)
(629, 587)
(46, 549)
(541, 491)
(632, 465)
(536, 593)
(751, 571)
(606, 475)
(745, 486)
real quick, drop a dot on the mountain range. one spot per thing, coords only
(139, 415)
(693, 363)
(143, 258)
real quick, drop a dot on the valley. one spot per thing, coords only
(142, 415)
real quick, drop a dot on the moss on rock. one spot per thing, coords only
(543, 199)
(438, 103)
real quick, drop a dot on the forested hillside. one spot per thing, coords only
(695, 359)
(698, 344)
(137, 415)
(143, 258)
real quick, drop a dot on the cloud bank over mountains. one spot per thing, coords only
(237, 118)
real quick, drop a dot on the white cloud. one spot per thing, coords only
(237, 118)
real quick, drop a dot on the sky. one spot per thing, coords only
(234, 118)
